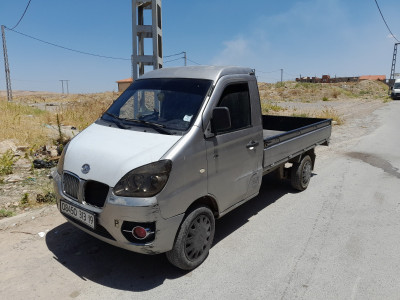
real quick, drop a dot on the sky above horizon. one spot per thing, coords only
(307, 37)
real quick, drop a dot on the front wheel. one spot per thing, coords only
(301, 173)
(194, 239)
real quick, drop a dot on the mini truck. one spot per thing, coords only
(395, 94)
(178, 149)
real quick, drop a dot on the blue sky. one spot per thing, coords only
(307, 37)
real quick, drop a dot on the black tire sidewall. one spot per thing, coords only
(297, 174)
(177, 256)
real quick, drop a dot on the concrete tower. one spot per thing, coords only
(140, 31)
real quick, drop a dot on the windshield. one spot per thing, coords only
(168, 103)
(396, 85)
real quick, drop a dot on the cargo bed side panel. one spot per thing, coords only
(283, 151)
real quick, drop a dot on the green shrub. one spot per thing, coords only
(6, 163)
(48, 197)
(25, 199)
(5, 213)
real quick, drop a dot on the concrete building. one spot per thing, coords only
(124, 84)
(373, 77)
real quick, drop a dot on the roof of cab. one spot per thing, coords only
(199, 72)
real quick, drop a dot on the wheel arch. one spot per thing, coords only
(208, 201)
(310, 153)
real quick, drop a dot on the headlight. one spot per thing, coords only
(60, 165)
(145, 181)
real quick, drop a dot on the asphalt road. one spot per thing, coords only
(339, 239)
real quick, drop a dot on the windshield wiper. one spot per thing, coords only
(156, 126)
(117, 120)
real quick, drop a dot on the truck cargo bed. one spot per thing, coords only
(288, 137)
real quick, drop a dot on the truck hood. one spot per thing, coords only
(112, 152)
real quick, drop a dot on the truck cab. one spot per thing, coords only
(395, 94)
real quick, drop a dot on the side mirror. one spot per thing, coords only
(221, 119)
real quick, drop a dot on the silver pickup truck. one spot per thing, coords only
(178, 149)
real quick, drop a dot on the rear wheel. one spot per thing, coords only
(301, 173)
(194, 239)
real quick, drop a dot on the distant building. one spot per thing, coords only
(328, 79)
(124, 84)
(373, 77)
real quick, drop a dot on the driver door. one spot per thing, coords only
(234, 156)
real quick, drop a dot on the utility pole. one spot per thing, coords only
(66, 85)
(281, 75)
(6, 66)
(185, 57)
(62, 86)
(393, 69)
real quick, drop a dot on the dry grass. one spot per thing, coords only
(311, 92)
(268, 107)
(330, 113)
(81, 114)
(325, 113)
(23, 123)
(30, 126)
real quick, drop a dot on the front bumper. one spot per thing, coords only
(119, 211)
(395, 96)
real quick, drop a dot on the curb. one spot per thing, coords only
(17, 220)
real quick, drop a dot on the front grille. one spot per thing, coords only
(71, 185)
(90, 192)
(96, 193)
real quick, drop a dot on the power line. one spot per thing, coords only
(193, 62)
(29, 2)
(66, 48)
(383, 18)
(168, 61)
(173, 54)
(289, 73)
(86, 53)
(179, 58)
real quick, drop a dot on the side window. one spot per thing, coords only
(236, 98)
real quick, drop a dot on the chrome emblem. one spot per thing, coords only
(85, 169)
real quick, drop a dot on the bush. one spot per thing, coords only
(6, 163)
(49, 197)
(5, 213)
(25, 199)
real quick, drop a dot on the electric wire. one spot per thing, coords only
(29, 2)
(288, 73)
(93, 54)
(383, 18)
(165, 56)
(66, 48)
(168, 61)
(193, 62)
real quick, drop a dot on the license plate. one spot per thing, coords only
(79, 214)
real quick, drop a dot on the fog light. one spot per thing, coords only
(139, 232)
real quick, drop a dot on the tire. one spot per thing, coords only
(301, 173)
(194, 239)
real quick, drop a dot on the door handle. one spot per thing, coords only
(251, 145)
